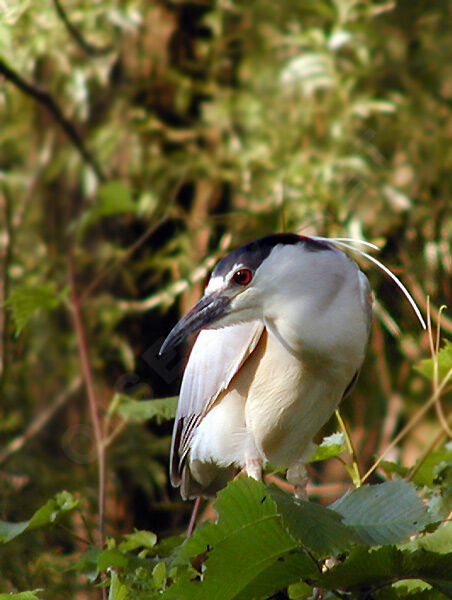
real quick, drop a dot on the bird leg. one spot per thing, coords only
(253, 468)
(194, 514)
(297, 476)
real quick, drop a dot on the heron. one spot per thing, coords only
(283, 326)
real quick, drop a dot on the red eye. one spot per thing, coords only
(242, 277)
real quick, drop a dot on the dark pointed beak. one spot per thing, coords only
(209, 309)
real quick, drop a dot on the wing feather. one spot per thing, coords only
(216, 357)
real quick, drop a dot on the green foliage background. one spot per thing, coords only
(144, 140)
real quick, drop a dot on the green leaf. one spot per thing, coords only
(159, 575)
(111, 558)
(88, 563)
(250, 533)
(113, 198)
(118, 591)
(425, 367)
(27, 300)
(52, 511)
(21, 595)
(139, 411)
(331, 445)
(432, 465)
(411, 589)
(365, 568)
(298, 591)
(385, 513)
(138, 539)
(391, 467)
(317, 528)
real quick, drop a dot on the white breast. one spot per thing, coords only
(273, 406)
(288, 401)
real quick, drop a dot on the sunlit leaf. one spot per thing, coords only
(113, 198)
(250, 533)
(321, 530)
(385, 513)
(139, 411)
(27, 300)
(118, 591)
(138, 539)
(331, 445)
(21, 595)
(444, 359)
(49, 514)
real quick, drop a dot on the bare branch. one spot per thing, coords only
(44, 98)
(41, 421)
(78, 37)
(91, 393)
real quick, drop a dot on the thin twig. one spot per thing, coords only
(419, 295)
(436, 441)
(411, 423)
(322, 489)
(194, 514)
(118, 262)
(114, 434)
(434, 350)
(356, 476)
(41, 421)
(78, 37)
(48, 102)
(5, 258)
(91, 393)
(134, 247)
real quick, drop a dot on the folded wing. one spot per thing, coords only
(216, 357)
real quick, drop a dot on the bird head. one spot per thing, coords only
(251, 280)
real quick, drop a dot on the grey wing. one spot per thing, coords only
(366, 303)
(366, 298)
(216, 357)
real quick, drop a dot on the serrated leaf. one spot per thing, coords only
(27, 300)
(317, 528)
(52, 511)
(331, 445)
(139, 411)
(444, 358)
(249, 533)
(138, 539)
(365, 568)
(383, 514)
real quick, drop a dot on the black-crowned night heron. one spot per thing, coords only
(285, 323)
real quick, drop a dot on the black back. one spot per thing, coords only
(252, 254)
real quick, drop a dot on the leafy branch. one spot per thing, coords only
(51, 105)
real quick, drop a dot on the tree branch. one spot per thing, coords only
(41, 421)
(46, 100)
(78, 37)
(91, 393)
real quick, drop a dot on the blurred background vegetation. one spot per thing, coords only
(139, 142)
